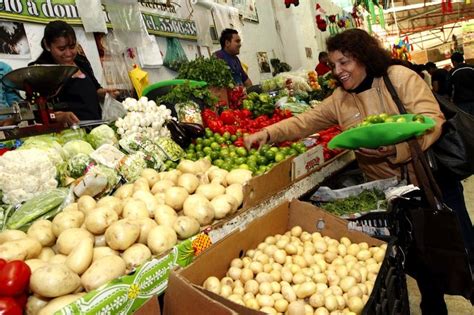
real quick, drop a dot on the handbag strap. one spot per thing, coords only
(422, 169)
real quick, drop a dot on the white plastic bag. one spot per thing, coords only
(112, 109)
(92, 15)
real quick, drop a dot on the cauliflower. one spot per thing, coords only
(26, 174)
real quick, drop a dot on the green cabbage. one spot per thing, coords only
(102, 134)
(74, 147)
(78, 164)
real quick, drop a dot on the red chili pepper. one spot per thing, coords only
(14, 278)
(8, 306)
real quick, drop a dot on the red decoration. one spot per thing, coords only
(320, 18)
(446, 6)
(288, 3)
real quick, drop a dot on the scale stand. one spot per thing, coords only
(40, 83)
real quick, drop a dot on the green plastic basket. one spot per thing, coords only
(376, 135)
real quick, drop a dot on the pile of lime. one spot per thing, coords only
(226, 155)
(386, 118)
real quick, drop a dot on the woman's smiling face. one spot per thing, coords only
(347, 70)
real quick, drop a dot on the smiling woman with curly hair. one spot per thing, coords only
(359, 62)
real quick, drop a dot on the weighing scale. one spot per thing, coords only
(35, 115)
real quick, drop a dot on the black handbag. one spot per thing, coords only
(429, 230)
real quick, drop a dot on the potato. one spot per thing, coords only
(58, 303)
(80, 257)
(58, 259)
(149, 200)
(136, 255)
(238, 176)
(123, 192)
(99, 240)
(160, 197)
(135, 209)
(102, 271)
(210, 191)
(236, 191)
(217, 176)
(98, 220)
(71, 207)
(67, 220)
(165, 215)
(222, 205)
(186, 227)
(86, 204)
(53, 280)
(161, 238)
(11, 235)
(197, 206)
(112, 202)
(145, 224)
(42, 230)
(141, 184)
(103, 251)
(35, 263)
(162, 186)
(175, 197)
(22, 249)
(151, 176)
(122, 234)
(35, 304)
(188, 181)
(46, 253)
(69, 239)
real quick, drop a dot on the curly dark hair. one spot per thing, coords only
(364, 48)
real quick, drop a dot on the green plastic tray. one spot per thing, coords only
(164, 87)
(376, 135)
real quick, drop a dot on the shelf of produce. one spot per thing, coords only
(294, 191)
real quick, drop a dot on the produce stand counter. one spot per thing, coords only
(127, 294)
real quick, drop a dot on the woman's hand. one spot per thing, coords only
(260, 137)
(380, 152)
(66, 118)
(113, 92)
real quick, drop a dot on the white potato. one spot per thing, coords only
(113, 202)
(71, 207)
(125, 191)
(188, 181)
(67, 220)
(35, 263)
(80, 257)
(69, 239)
(136, 255)
(145, 224)
(161, 238)
(210, 191)
(46, 253)
(150, 202)
(185, 227)
(86, 204)
(162, 186)
(151, 175)
(103, 251)
(199, 207)
(53, 280)
(135, 209)
(102, 271)
(22, 249)
(58, 259)
(165, 215)
(141, 184)
(122, 234)
(98, 220)
(35, 304)
(58, 303)
(236, 191)
(42, 230)
(175, 197)
(11, 235)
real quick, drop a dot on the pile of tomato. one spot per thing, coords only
(236, 121)
(323, 139)
(14, 284)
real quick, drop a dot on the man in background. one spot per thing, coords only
(439, 79)
(322, 68)
(462, 82)
(230, 47)
(7, 96)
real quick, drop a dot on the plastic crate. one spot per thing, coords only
(390, 294)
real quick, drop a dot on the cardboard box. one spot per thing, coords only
(281, 176)
(185, 294)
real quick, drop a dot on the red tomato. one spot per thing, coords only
(227, 117)
(3, 262)
(14, 278)
(8, 306)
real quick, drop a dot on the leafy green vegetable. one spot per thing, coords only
(101, 135)
(78, 164)
(212, 70)
(365, 201)
(75, 147)
(185, 92)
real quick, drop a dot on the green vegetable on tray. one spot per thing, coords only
(367, 200)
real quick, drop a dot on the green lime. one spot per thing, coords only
(214, 155)
(253, 158)
(279, 157)
(301, 148)
(233, 138)
(206, 142)
(263, 168)
(253, 151)
(191, 146)
(275, 149)
(190, 156)
(261, 160)
(252, 164)
(240, 160)
(200, 154)
(208, 133)
(229, 142)
(241, 151)
(232, 147)
(244, 167)
(218, 162)
(215, 146)
(220, 140)
(199, 140)
(232, 154)
(383, 116)
(270, 155)
(265, 147)
(212, 139)
(292, 152)
(389, 120)
(226, 135)
(198, 147)
(401, 120)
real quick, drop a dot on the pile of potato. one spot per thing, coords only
(300, 273)
(93, 242)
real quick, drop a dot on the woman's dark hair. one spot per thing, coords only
(226, 35)
(364, 48)
(57, 29)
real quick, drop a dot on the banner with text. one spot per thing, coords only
(44, 11)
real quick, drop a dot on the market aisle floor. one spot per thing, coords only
(456, 305)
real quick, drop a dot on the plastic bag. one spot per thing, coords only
(107, 155)
(175, 55)
(92, 15)
(139, 79)
(188, 112)
(127, 22)
(112, 109)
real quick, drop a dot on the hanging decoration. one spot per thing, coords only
(446, 6)
(375, 10)
(344, 22)
(288, 3)
(357, 16)
(332, 24)
(321, 18)
(401, 50)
